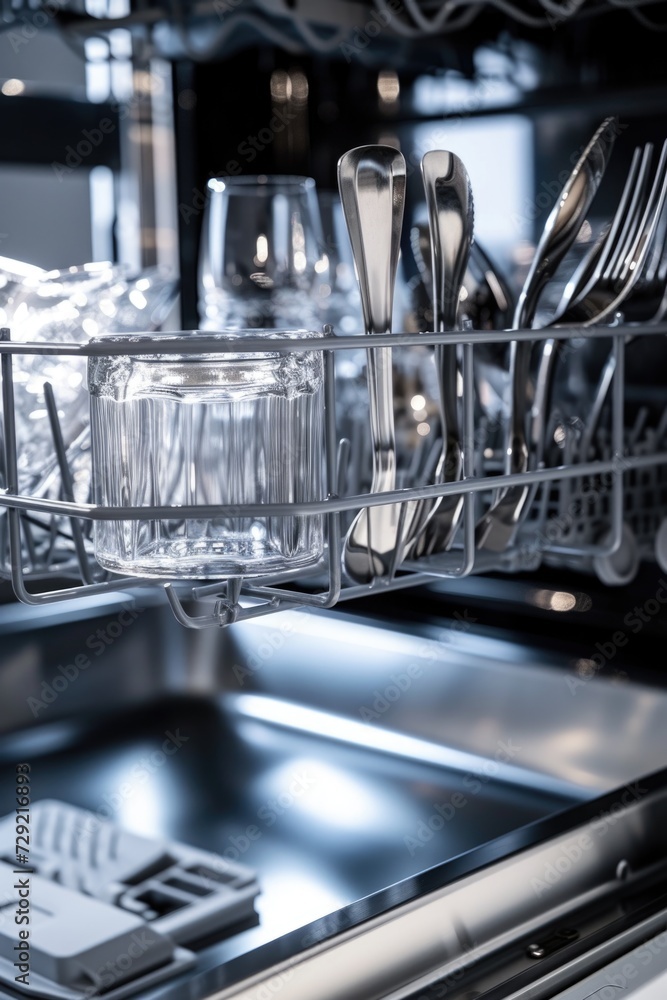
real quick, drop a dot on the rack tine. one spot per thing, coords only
(67, 482)
(393, 565)
(342, 463)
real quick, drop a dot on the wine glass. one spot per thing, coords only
(262, 262)
(342, 304)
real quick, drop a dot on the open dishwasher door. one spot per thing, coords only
(428, 807)
(458, 790)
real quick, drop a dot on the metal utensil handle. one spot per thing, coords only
(371, 182)
(451, 225)
(381, 403)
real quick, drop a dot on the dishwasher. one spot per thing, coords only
(445, 777)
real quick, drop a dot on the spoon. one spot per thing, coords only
(497, 527)
(451, 222)
(371, 182)
(486, 298)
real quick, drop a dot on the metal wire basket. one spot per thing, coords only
(50, 539)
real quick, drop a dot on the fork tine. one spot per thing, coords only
(661, 273)
(593, 264)
(582, 276)
(633, 219)
(639, 252)
(656, 265)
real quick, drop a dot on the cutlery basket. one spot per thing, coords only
(597, 511)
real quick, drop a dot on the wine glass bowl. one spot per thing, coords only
(262, 262)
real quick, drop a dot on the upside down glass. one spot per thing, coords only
(262, 260)
(216, 429)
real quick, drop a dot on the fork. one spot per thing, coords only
(641, 226)
(644, 272)
(497, 527)
(593, 264)
(626, 263)
(632, 265)
(636, 270)
(603, 260)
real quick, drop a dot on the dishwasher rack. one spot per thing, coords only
(625, 484)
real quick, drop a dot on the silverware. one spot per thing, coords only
(633, 270)
(486, 299)
(451, 224)
(603, 254)
(637, 270)
(371, 182)
(496, 529)
(575, 305)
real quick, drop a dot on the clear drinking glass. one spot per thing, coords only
(262, 262)
(217, 429)
(342, 301)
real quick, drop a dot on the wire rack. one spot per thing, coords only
(307, 27)
(48, 541)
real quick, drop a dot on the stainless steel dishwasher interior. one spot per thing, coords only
(337, 756)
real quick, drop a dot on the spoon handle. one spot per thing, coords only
(371, 182)
(451, 225)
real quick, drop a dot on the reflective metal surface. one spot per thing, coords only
(451, 224)
(497, 526)
(355, 766)
(636, 261)
(371, 181)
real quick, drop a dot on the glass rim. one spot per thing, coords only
(190, 337)
(243, 183)
(236, 333)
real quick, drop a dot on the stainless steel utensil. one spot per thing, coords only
(486, 297)
(595, 269)
(608, 290)
(451, 225)
(497, 527)
(604, 251)
(627, 270)
(636, 271)
(371, 181)
(636, 266)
